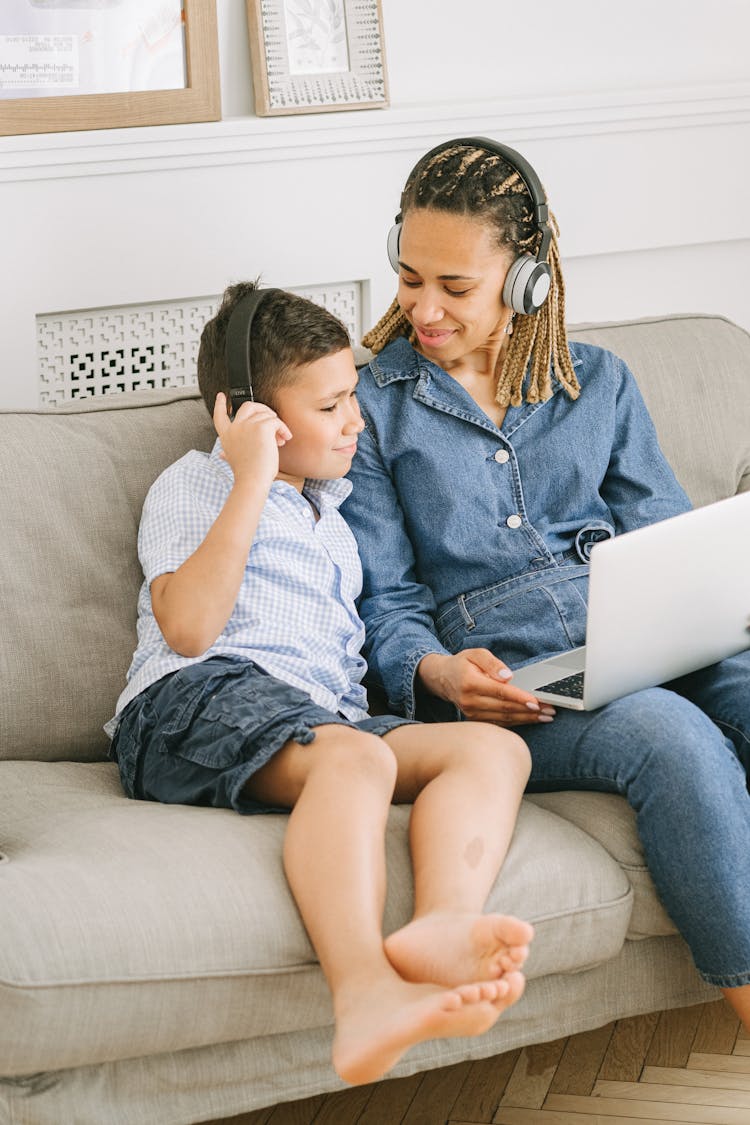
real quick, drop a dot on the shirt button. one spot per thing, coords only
(514, 521)
(502, 456)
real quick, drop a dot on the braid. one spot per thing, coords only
(392, 324)
(477, 182)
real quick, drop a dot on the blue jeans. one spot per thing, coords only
(680, 755)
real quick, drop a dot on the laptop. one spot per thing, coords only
(664, 600)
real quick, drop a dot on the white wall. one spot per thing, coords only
(644, 150)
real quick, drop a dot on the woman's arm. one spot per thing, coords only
(640, 486)
(402, 648)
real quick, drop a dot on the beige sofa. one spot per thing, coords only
(153, 967)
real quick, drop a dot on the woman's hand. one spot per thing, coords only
(477, 683)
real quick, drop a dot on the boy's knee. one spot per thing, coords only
(500, 747)
(352, 751)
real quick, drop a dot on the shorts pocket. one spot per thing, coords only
(194, 726)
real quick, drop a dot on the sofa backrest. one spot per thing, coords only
(694, 373)
(74, 481)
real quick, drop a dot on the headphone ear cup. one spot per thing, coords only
(394, 238)
(527, 285)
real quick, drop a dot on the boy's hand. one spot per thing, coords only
(250, 442)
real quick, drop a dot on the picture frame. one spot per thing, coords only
(198, 100)
(313, 56)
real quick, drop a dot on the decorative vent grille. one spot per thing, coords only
(92, 352)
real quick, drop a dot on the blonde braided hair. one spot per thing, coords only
(480, 183)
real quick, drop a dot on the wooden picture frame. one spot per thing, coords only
(199, 100)
(310, 56)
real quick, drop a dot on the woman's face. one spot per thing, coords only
(450, 283)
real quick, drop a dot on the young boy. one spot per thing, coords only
(245, 692)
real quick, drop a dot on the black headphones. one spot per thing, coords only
(237, 347)
(529, 278)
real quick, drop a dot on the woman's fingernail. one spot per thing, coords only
(548, 711)
(546, 719)
(532, 706)
(504, 674)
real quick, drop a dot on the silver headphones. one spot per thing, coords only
(529, 278)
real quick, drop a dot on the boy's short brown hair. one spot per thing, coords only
(287, 331)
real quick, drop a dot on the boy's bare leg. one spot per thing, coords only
(466, 781)
(341, 786)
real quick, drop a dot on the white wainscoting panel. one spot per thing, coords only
(94, 352)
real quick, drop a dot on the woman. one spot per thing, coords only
(494, 456)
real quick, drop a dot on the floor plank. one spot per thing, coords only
(343, 1108)
(390, 1101)
(530, 1081)
(655, 1092)
(674, 1037)
(717, 1029)
(687, 1077)
(627, 1049)
(676, 1112)
(436, 1095)
(512, 1116)
(483, 1088)
(730, 1064)
(581, 1061)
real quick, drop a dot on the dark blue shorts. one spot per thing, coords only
(197, 735)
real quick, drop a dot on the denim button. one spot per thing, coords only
(514, 521)
(502, 456)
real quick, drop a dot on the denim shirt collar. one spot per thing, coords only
(400, 362)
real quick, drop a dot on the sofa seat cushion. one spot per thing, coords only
(610, 820)
(151, 928)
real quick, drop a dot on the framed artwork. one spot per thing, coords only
(106, 64)
(309, 56)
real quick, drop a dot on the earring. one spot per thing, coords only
(509, 325)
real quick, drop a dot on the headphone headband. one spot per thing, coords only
(237, 346)
(520, 164)
(529, 277)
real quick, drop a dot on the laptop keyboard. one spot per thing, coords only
(572, 686)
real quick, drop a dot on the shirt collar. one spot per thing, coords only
(331, 493)
(399, 361)
(328, 493)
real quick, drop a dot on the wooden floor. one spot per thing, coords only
(683, 1066)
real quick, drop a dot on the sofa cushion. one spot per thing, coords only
(74, 482)
(152, 928)
(609, 819)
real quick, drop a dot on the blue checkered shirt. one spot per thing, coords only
(295, 614)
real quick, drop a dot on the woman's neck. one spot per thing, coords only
(478, 373)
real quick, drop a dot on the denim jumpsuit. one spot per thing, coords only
(474, 536)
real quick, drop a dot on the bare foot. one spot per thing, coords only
(377, 1025)
(449, 948)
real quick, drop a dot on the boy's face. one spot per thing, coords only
(319, 405)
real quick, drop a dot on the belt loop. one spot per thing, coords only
(469, 621)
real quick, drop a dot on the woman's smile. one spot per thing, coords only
(433, 337)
